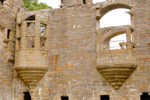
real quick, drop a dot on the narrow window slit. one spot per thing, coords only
(8, 34)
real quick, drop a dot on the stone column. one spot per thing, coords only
(17, 35)
(128, 34)
(99, 44)
(47, 36)
(24, 35)
(37, 34)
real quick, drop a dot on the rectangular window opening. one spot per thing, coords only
(30, 41)
(19, 43)
(64, 98)
(31, 28)
(2, 2)
(42, 42)
(84, 1)
(42, 29)
(27, 96)
(145, 96)
(104, 97)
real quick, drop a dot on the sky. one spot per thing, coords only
(116, 17)
(56, 3)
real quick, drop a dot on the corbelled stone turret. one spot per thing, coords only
(117, 65)
(31, 62)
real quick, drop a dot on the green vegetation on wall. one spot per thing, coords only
(34, 5)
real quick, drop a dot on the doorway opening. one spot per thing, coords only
(27, 96)
(64, 98)
(104, 97)
(145, 96)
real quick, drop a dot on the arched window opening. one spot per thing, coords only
(117, 17)
(96, 1)
(114, 42)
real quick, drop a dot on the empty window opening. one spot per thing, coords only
(8, 34)
(42, 29)
(145, 96)
(117, 17)
(27, 96)
(84, 1)
(30, 42)
(2, 2)
(19, 43)
(30, 34)
(114, 42)
(64, 98)
(42, 42)
(31, 29)
(104, 97)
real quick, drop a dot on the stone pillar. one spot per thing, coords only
(128, 34)
(24, 35)
(47, 36)
(99, 43)
(37, 34)
(17, 35)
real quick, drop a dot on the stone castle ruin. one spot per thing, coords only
(62, 54)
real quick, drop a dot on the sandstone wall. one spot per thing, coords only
(72, 56)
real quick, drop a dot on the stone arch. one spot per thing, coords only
(113, 35)
(109, 5)
(105, 43)
(114, 31)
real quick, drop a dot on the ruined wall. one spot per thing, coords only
(7, 46)
(72, 41)
(6, 68)
(72, 54)
(72, 51)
